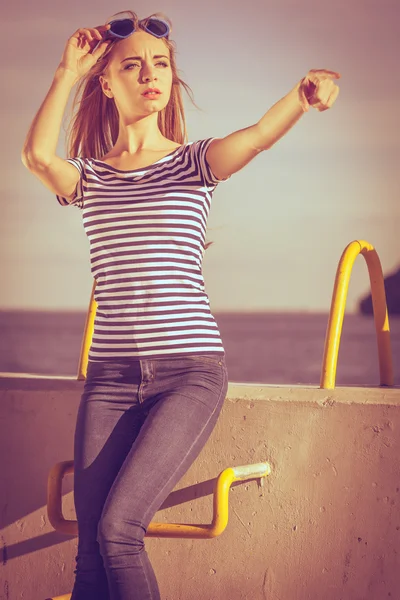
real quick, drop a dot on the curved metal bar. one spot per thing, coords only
(335, 322)
(167, 530)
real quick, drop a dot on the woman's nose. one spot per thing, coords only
(148, 73)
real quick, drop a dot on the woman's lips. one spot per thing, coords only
(151, 89)
(151, 95)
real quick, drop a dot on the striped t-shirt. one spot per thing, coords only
(146, 229)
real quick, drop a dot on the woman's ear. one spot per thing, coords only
(105, 86)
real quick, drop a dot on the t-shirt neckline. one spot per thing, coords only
(141, 168)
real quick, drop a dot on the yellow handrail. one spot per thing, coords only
(165, 530)
(87, 336)
(339, 296)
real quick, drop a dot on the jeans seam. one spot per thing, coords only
(205, 425)
(144, 570)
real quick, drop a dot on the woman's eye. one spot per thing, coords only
(164, 64)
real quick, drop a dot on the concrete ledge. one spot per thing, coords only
(236, 390)
(325, 524)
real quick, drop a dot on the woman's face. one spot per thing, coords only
(137, 63)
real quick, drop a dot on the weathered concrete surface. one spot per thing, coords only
(326, 524)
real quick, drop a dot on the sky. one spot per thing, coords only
(279, 225)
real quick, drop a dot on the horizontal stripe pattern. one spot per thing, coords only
(146, 229)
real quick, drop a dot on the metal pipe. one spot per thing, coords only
(335, 322)
(87, 336)
(165, 530)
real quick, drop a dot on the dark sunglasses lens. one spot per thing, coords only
(157, 28)
(124, 27)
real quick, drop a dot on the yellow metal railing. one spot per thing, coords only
(87, 336)
(338, 304)
(165, 530)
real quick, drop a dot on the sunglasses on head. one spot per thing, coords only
(123, 28)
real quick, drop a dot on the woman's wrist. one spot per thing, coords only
(64, 74)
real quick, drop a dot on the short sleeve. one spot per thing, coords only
(77, 200)
(200, 149)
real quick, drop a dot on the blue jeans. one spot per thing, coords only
(140, 425)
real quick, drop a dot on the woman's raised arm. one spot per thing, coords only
(41, 142)
(39, 150)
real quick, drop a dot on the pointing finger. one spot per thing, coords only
(326, 73)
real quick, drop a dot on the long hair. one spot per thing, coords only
(93, 129)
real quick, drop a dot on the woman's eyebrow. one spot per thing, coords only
(140, 58)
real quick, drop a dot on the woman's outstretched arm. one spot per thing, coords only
(230, 154)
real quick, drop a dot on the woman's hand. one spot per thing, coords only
(318, 90)
(78, 57)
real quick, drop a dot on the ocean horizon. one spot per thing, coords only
(261, 347)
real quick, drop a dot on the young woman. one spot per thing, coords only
(156, 378)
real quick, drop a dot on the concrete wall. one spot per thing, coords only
(326, 524)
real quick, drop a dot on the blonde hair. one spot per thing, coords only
(93, 129)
